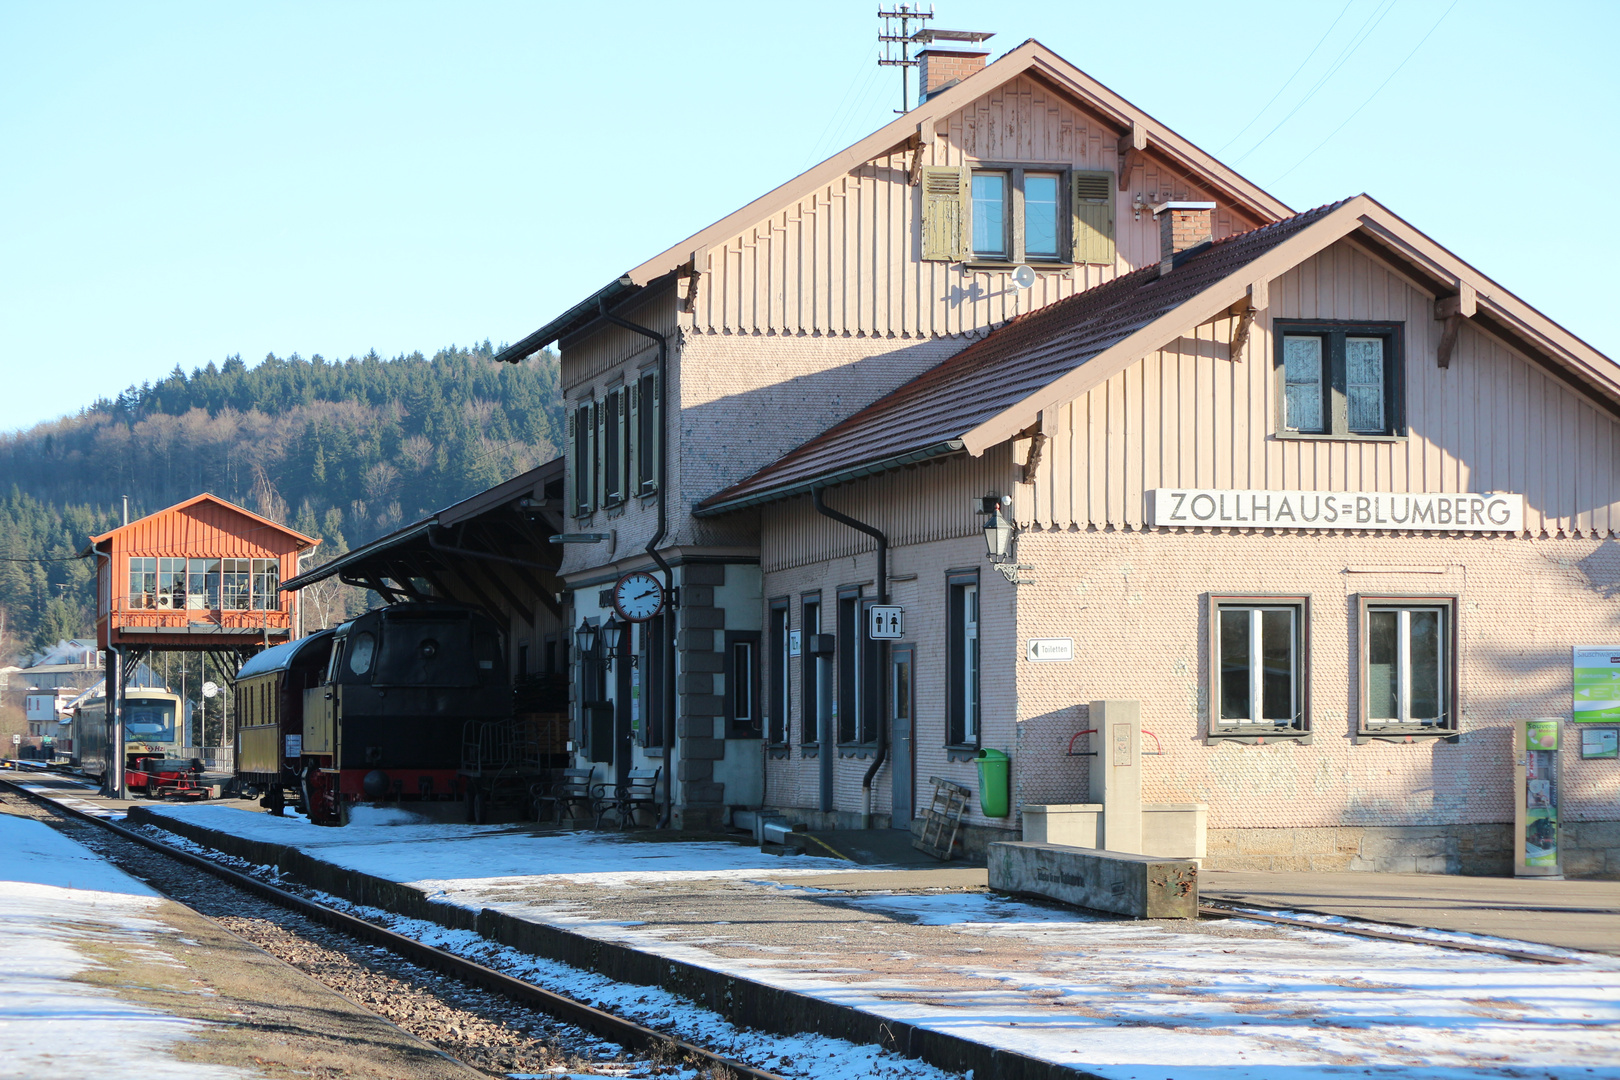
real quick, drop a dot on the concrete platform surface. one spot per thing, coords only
(1566, 914)
(925, 960)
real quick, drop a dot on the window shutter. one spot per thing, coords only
(632, 439)
(945, 212)
(1093, 203)
(598, 473)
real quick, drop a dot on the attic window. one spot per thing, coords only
(1340, 380)
(1013, 214)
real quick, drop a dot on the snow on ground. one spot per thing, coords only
(57, 901)
(1122, 999)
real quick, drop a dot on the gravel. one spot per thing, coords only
(483, 1029)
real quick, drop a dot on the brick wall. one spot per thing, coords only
(937, 68)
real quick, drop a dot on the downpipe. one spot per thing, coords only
(652, 549)
(882, 598)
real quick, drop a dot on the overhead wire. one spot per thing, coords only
(1289, 81)
(1360, 38)
(1372, 95)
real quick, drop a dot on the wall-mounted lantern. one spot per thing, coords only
(585, 639)
(999, 532)
(612, 638)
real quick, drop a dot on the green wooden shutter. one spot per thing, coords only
(945, 212)
(598, 476)
(1092, 200)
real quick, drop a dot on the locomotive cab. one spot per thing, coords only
(386, 721)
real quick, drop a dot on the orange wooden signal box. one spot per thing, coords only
(201, 575)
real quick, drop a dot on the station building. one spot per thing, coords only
(1106, 421)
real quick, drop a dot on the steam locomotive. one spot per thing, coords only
(372, 710)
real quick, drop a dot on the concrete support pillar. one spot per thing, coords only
(1116, 773)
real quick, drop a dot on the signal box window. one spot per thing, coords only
(1258, 666)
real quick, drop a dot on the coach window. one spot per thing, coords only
(1258, 666)
(1340, 380)
(1407, 673)
(962, 732)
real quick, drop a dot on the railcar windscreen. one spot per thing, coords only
(426, 652)
(151, 721)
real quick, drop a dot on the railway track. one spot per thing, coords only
(637, 1038)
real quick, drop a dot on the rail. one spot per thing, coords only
(603, 1024)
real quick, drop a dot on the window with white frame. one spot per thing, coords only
(1407, 670)
(963, 666)
(1258, 665)
(778, 645)
(742, 685)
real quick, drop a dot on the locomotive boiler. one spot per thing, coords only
(374, 710)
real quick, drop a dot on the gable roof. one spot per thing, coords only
(999, 386)
(211, 499)
(1032, 59)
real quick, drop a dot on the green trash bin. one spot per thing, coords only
(993, 766)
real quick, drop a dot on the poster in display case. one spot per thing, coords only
(1595, 682)
(1535, 753)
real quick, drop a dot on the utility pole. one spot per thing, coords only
(892, 42)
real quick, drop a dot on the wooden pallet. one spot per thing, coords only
(942, 821)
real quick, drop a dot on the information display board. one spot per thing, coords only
(1596, 682)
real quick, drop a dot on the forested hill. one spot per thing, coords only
(345, 451)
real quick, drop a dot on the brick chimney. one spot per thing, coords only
(939, 69)
(1182, 226)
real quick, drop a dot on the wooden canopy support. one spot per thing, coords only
(1452, 310)
(1131, 145)
(1258, 299)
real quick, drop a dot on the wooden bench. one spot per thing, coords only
(576, 788)
(638, 792)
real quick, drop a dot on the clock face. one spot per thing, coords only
(638, 596)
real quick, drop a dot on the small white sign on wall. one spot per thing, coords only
(1049, 649)
(885, 622)
(793, 642)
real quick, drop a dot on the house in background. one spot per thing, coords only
(1330, 503)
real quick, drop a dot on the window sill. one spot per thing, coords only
(1259, 735)
(809, 750)
(961, 753)
(1332, 436)
(1001, 264)
(857, 750)
(1395, 734)
(652, 751)
(778, 751)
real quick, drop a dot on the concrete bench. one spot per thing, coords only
(1140, 886)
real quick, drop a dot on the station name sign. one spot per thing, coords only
(1213, 508)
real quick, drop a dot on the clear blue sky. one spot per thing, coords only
(183, 182)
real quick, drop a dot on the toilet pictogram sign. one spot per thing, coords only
(885, 622)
